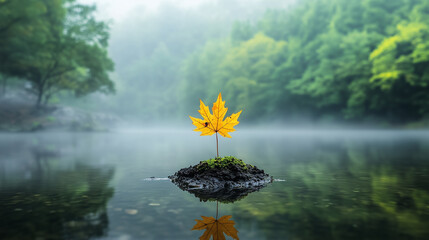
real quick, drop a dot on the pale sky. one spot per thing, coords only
(117, 10)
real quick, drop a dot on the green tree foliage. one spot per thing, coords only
(246, 75)
(149, 69)
(339, 59)
(400, 68)
(200, 69)
(56, 45)
(152, 49)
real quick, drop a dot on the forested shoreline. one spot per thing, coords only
(342, 61)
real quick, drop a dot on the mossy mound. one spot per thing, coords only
(224, 162)
(224, 179)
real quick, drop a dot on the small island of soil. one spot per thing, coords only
(226, 178)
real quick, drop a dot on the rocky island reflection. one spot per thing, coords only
(217, 227)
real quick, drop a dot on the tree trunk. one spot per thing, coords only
(4, 84)
(40, 92)
(39, 97)
(47, 97)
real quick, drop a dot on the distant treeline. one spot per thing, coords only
(151, 50)
(321, 60)
(353, 60)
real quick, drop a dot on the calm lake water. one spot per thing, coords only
(331, 185)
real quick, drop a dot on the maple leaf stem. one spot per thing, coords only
(217, 146)
(217, 208)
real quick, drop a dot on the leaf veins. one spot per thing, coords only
(213, 123)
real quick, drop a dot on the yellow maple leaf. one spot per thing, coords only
(215, 123)
(216, 228)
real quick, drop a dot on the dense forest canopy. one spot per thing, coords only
(349, 60)
(320, 60)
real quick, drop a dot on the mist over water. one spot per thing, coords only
(362, 184)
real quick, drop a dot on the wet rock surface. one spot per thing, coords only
(222, 183)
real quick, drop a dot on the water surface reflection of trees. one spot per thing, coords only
(348, 190)
(57, 204)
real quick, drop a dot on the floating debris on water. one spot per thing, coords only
(156, 179)
(131, 211)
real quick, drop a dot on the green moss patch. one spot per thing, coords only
(222, 162)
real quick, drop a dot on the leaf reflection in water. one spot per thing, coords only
(216, 228)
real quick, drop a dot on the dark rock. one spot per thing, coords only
(226, 184)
